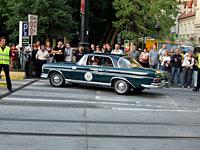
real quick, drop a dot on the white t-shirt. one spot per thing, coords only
(165, 59)
(188, 62)
(42, 55)
(118, 52)
(68, 54)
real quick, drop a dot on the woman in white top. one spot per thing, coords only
(165, 61)
(98, 49)
(117, 50)
(49, 50)
(188, 64)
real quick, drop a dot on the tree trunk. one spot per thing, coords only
(108, 39)
(54, 43)
(114, 36)
(108, 27)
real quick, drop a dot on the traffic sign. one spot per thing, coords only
(25, 28)
(32, 19)
(25, 41)
(23, 33)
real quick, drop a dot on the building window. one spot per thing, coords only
(180, 30)
(193, 28)
(185, 29)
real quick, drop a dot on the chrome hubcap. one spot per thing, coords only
(121, 86)
(56, 79)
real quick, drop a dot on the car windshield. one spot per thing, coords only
(128, 62)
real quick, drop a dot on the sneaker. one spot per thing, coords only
(188, 87)
(195, 90)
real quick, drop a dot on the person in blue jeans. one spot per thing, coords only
(153, 57)
(176, 62)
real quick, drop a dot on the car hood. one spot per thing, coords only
(148, 72)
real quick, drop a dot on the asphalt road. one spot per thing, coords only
(40, 117)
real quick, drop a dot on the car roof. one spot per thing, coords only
(102, 54)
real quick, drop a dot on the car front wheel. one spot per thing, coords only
(56, 80)
(121, 87)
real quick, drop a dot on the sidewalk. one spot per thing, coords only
(18, 81)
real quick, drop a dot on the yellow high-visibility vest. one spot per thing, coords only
(5, 56)
(199, 60)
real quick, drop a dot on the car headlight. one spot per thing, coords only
(158, 71)
(157, 80)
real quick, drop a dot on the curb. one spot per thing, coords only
(14, 75)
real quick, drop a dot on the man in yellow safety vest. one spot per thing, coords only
(5, 55)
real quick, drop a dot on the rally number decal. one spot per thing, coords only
(88, 76)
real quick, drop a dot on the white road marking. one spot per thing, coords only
(172, 100)
(137, 100)
(108, 103)
(105, 98)
(63, 101)
(156, 110)
(159, 106)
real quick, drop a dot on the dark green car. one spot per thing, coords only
(122, 73)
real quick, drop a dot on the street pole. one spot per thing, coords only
(157, 30)
(31, 42)
(84, 23)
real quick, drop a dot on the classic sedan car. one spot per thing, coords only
(122, 73)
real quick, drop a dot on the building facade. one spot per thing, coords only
(188, 23)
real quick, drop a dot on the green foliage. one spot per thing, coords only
(100, 16)
(137, 18)
(3, 17)
(57, 18)
(54, 17)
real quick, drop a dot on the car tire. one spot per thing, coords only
(56, 80)
(121, 87)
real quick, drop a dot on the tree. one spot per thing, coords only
(137, 18)
(101, 15)
(54, 17)
(3, 18)
(58, 18)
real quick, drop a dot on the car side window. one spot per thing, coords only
(106, 62)
(94, 61)
(99, 61)
(89, 60)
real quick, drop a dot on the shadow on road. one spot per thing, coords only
(146, 93)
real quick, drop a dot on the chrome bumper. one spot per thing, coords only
(156, 85)
(43, 75)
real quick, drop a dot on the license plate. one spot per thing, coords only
(163, 81)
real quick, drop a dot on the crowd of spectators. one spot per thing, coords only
(181, 66)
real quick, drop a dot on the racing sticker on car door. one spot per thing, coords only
(88, 76)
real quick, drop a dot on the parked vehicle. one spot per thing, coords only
(122, 73)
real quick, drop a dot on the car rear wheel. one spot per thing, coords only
(57, 80)
(121, 87)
